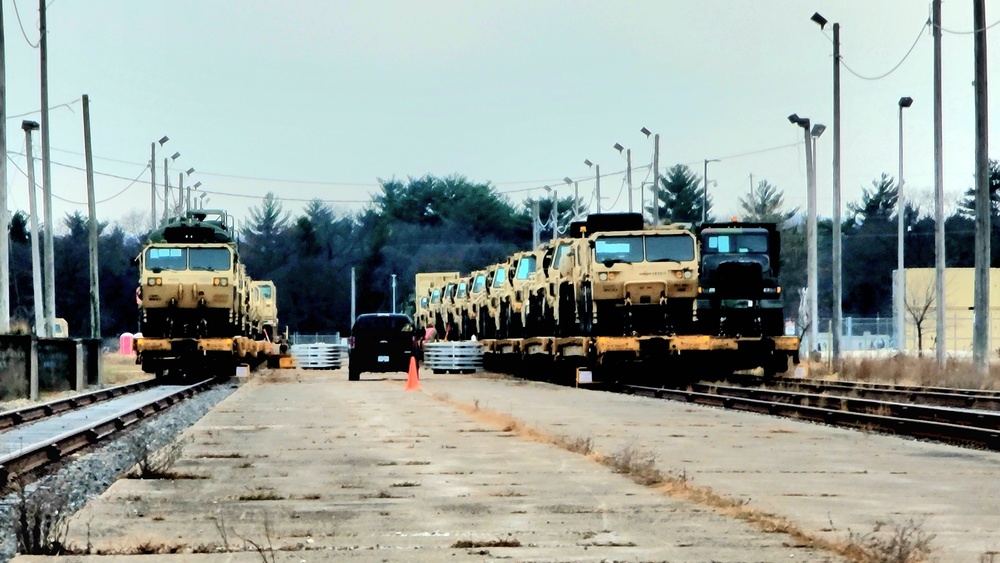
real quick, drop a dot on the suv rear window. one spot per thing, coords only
(382, 323)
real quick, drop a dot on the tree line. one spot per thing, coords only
(453, 223)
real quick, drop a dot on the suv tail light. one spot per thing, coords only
(350, 343)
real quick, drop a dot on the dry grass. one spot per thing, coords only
(640, 466)
(911, 370)
(118, 369)
(468, 544)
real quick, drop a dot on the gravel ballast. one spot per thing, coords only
(89, 475)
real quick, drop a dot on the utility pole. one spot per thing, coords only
(628, 178)
(656, 179)
(50, 261)
(704, 191)
(939, 257)
(900, 292)
(95, 295)
(180, 191)
(354, 293)
(4, 219)
(394, 294)
(152, 184)
(598, 188)
(981, 324)
(554, 215)
(166, 191)
(36, 257)
(535, 226)
(838, 267)
(812, 276)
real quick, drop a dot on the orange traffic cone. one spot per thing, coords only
(412, 379)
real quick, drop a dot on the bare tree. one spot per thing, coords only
(135, 224)
(918, 303)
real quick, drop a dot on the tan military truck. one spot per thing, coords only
(552, 302)
(476, 306)
(263, 310)
(640, 282)
(496, 280)
(425, 286)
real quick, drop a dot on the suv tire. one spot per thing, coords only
(353, 374)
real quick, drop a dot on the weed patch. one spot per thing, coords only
(468, 544)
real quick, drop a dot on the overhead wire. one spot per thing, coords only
(21, 25)
(953, 32)
(891, 70)
(67, 105)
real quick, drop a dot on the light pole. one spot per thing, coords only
(554, 213)
(576, 196)
(811, 264)
(152, 178)
(36, 255)
(195, 187)
(704, 191)
(166, 186)
(597, 191)
(838, 291)
(187, 199)
(904, 102)
(628, 174)
(393, 293)
(656, 174)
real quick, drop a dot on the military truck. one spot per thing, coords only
(476, 306)
(263, 315)
(739, 293)
(424, 288)
(644, 281)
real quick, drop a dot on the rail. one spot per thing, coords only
(48, 450)
(961, 398)
(940, 424)
(12, 418)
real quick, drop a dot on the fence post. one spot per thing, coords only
(80, 380)
(33, 369)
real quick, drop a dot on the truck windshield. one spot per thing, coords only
(499, 277)
(562, 251)
(669, 248)
(461, 292)
(436, 296)
(618, 249)
(479, 284)
(265, 290)
(735, 243)
(159, 259)
(525, 266)
(212, 259)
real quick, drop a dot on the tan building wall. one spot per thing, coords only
(959, 285)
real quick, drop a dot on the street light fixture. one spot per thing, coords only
(904, 102)
(704, 191)
(597, 189)
(152, 178)
(576, 196)
(36, 255)
(655, 194)
(811, 250)
(628, 174)
(190, 171)
(838, 291)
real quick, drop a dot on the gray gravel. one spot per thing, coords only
(77, 481)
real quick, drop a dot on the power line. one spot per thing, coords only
(67, 105)
(920, 34)
(18, 14)
(953, 32)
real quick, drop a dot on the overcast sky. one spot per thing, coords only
(321, 99)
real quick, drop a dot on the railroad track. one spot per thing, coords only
(939, 423)
(13, 418)
(32, 446)
(940, 396)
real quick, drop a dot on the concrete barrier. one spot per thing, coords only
(464, 357)
(319, 356)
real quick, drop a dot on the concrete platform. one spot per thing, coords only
(327, 469)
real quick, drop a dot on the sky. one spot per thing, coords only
(325, 98)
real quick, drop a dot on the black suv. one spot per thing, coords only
(381, 342)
